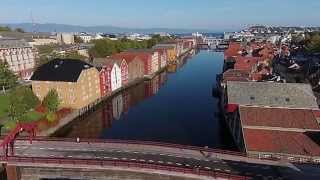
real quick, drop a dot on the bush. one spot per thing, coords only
(30, 99)
(32, 116)
(51, 101)
(51, 117)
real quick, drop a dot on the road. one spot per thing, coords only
(151, 154)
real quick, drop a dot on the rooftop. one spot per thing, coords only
(278, 117)
(233, 50)
(63, 70)
(127, 56)
(270, 94)
(6, 42)
(285, 142)
(245, 63)
(235, 75)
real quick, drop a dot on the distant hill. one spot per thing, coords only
(50, 27)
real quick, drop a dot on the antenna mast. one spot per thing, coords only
(33, 23)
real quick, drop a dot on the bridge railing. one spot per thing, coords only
(123, 164)
(151, 143)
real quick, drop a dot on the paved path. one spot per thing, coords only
(151, 154)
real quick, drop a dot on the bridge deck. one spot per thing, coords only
(71, 152)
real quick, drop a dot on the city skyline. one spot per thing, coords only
(204, 14)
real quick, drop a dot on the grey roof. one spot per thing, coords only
(13, 43)
(99, 62)
(28, 36)
(289, 95)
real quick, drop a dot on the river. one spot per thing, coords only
(176, 106)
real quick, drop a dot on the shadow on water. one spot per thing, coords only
(176, 106)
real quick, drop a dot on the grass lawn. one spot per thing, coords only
(4, 103)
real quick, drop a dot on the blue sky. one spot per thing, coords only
(207, 14)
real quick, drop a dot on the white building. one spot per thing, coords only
(274, 39)
(86, 38)
(116, 80)
(19, 55)
(65, 38)
(43, 41)
(212, 41)
(163, 59)
(227, 35)
(99, 36)
(154, 62)
(197, 34)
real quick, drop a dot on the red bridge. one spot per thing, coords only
(53, 155)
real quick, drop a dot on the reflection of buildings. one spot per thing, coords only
(107, 115)
(89, 127)
(93, 125)
(172, 68)
(163, 78)
(117, 105)
(136, 95)
(155, 85)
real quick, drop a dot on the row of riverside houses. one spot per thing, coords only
(267, 119)
(80, 84)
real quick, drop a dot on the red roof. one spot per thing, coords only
(278, 117)
(143, 55)
(233, 50)
(280, 142)
(245, 63)
(235, 75)
(127, 57)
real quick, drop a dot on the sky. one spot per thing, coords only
(188, 14)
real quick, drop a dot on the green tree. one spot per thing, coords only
(103, 48)
(21, 100)
(7, 78)
(29, 98)
(51, 101)
(106, 47)
(17, 107)
(313, 44)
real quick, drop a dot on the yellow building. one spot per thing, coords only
(171, 51)
(171, 54)
(77, 82)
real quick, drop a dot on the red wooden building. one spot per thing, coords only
(124, 71)
(145, 56)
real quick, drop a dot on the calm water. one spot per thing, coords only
(176, 107)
